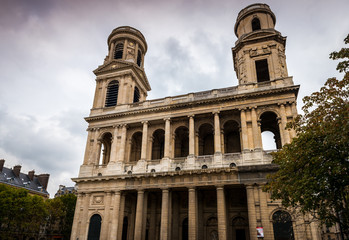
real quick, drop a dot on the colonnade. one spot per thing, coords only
(250, 127)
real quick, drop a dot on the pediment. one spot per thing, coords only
(111, 66)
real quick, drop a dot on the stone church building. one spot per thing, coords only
(190, 166)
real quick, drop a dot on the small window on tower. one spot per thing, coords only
(136, 95)
(256, 24)
(139, 58)
(112, 94)
(119, 49)
(262, 71)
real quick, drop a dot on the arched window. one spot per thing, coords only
(158, 144)
(112, 94)
(119, 49)
(136, 95)
(269, 123)
(231, 137)
(206, 140)
(256, 24)
(282, 225)
(94, 229)
(182, 142)
(136, 146)
(262, 70)
(105, 149)
(139, 58)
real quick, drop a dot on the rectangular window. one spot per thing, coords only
(262, 70)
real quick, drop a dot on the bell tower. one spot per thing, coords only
(259, 52)
(121, 79)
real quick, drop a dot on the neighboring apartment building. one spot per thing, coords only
(35, 184)
(189, 166)
(63, 190)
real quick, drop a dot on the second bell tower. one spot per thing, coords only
(259, 52)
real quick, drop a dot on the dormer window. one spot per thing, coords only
(139, 58)
(119, 49)
(136, 95)
(256, 24)
(112, 94)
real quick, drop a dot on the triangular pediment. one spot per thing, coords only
(111, 66)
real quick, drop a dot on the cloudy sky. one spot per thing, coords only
(49, 49)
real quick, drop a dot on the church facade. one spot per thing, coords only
(189, 166)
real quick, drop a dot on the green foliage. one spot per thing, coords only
(314, 169)
(22, 214)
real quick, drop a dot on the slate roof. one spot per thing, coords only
(7, 176)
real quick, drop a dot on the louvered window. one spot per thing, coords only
(112, 94)
(136, 95)
(139, 58)
(119, 49)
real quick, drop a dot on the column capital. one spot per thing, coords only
(243, 109)
(125, 125)
(145, 122)
(191, 188)
(216, 112)
(191, 116)
(219, 186)
(167, 119)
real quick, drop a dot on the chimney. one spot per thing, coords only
(31, 175)
(2, 162)
(16, 170)
(43, 179)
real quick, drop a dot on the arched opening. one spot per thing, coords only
(185, 229)
(182, 142)
(112, 94)
(240, 226)
(136, 95)
(105, 149)
(212, 228)
(158, 144)
(136, 147)
(232, 137)
(269, 122)
(256, 24)
(119, 50)
(124, 229)
(94, 230)
(206, 140)
(282, 225)
(139, 58)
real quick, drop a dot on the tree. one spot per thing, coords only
(313, 170)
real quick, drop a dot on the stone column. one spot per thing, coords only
(85, 218)
(252, 220)
(217, 133)
(192, 214)
(77, 214)
(283, 124)
(88, 146)
(113, 150)
(244, 132)
(167, 138)
(268, 234)
(111, 51)
(139, 215)
(121, 216)
(256, 133)
(196, 143)
(121, 157)
(115, 216)
(144, 141)
(105, 222)
(191, 136)
(164, 233)
(221, 213)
